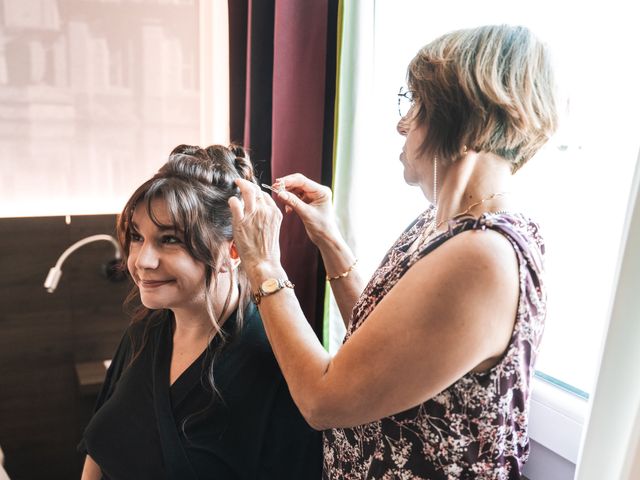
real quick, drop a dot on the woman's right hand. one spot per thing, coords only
(311, 201)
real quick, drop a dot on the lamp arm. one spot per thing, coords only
(85, 241)
(55, 273)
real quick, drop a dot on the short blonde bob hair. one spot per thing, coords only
(490, 89)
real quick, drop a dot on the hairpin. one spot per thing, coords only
(274, 190)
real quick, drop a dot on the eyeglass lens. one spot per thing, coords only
(405, 101)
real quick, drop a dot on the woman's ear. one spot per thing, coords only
(233, 255)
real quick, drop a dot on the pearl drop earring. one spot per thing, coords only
(435, 182)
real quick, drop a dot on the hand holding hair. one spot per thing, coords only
(256, 228)
(311, 201)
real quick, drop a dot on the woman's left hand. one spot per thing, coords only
(256, 229)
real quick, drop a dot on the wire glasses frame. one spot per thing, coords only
(405, 101)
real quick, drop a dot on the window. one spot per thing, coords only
(93, 97)
(577, 187)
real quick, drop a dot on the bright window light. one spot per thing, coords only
(93, 97)
(577, 187)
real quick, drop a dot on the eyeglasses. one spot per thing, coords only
(405, 101)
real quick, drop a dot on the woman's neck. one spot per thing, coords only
(191, 324)
(474, 179)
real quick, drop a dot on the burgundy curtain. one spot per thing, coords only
(282, 78)
(251, 79)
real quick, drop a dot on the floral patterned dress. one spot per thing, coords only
(477, 427)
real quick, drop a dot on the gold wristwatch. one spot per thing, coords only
(269, 287)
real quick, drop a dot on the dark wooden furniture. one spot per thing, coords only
(43, 336)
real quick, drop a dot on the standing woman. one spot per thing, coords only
(433, 378)
(194, 390)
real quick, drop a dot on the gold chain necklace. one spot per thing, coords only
(433, 226)
(470, 207)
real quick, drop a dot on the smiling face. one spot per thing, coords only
(160, 265)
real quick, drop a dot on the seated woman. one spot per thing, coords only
(194, 390)
(433, 379)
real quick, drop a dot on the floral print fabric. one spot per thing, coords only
(477, 427)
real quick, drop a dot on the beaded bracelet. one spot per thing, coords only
(343, 274)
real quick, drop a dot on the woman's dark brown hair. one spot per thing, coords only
(195, 184)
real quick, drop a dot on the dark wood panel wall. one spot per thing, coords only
(43, 335)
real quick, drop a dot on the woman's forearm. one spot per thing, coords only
(338, 259)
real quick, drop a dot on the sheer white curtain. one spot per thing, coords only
(353, 143)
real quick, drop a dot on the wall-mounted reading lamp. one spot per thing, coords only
(111, 268)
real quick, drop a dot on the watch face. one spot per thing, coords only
(271, 285)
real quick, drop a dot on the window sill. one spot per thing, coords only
(556, 418)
